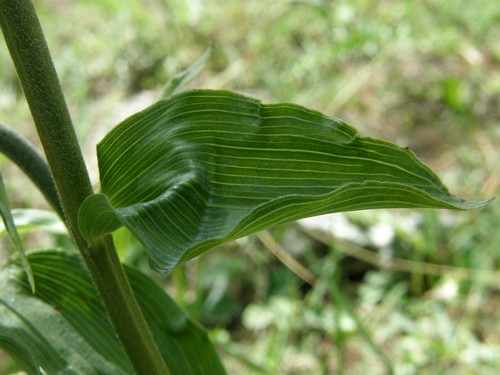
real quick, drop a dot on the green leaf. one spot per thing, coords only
(64, 329)
(30, 219)
(176, 84)
(205, 167)
(8, 221)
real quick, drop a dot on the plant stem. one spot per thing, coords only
(17, 149)
(126, 316)
(29, 51)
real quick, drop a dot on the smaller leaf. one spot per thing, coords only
(30, 219)
(6, 213)
(177, 84)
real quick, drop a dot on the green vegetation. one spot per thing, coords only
(415, 291)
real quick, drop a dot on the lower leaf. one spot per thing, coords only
(64, 329)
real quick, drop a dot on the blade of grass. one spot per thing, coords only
(341, 300)
(6, 214)
(288, 260)
(177, 83)
(404, 265)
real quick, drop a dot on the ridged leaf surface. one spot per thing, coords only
(63, 328)
(204, 167)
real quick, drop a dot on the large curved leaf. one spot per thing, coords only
(204, 167)
(64, 330)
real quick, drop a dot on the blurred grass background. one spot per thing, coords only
(418, 290)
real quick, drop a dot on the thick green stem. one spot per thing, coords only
(17, 149)
(127, 317)
(29, 51)
(38, 77)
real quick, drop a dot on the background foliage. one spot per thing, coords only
(422, 74)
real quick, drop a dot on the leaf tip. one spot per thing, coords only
(462, 204)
